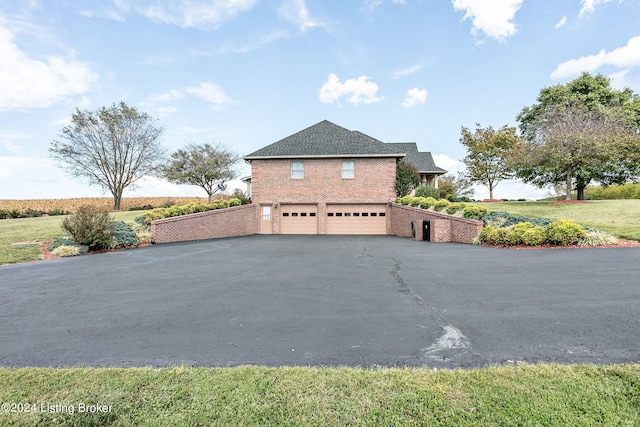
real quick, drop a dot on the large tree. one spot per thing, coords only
(590, 100)
(488, 154)
(204, 165)
(112, 147)
(574, 143)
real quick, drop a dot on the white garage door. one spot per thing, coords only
(299, 219)
(356, 219)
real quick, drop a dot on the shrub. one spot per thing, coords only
(56, 212)
(474, 211)
(564, 232)
(144, 237)
(4, 214)
(534, 236)
(505, 219)
(90, 226)
(64, 241)
(404, 200)
(30, 213)
(141, 208)
(441, 205)
(124, 236)
(424, 191)
(597, 238)
(416, 201)
(455, 207)
(428, 203)
(64, 251)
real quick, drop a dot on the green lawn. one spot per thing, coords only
(618, 217)
(544, 395)
(39, 230)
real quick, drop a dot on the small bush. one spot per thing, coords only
(64, 241)
(90, 226)
(56, 212)
(455, 207)
(30, 213)
(474, 212)
(597, 238)
(564, 232)
(144, 237)
(64, 251)
(441, 205)
(424, 191)
(141, 208)
(4, 214)
(534, 236)
(428, 203)
(505, 219)
(124, 236)
(404, 200)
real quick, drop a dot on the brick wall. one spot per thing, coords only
(230, 222)
(444, 228)
(374, 182)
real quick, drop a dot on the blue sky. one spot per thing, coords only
(247, 73)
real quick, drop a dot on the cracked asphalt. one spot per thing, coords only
(322, 301)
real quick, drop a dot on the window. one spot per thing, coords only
(348, 169)
(297, 170)
(266, 213)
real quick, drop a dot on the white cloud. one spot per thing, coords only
(561, 22)
(491, 17)
(167, 96)
(201, 14)
(211, 93)
(296, 11)
(356, 91)
(407, 71)
(625, 57)
(372, 5)
(7, 139)
(27, 82)
(589, 6)
(414, 97)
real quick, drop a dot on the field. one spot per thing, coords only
(544, 395)
(105, 203)
(618, 217)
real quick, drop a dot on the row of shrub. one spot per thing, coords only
(161, 213)
(561, 232)
(460, 209)
(29, 213)
(614, 192)
(91, 229)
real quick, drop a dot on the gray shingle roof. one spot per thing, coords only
(326, 139)
(423, 160)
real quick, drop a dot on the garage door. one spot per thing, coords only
(299, 219)
(356, 219)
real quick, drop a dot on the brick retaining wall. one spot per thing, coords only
(444, 227)
(230, 222)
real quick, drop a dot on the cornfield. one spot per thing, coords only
(106, 203)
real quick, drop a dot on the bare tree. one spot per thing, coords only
(206, 166)
(113, 147)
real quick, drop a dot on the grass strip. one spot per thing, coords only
(537, 395)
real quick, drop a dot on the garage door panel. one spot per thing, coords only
(299, 219)
(356, 219)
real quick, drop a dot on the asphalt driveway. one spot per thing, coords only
(322, 301)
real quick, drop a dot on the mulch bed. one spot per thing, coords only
(622, 243)
(47, 254)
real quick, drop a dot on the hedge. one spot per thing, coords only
(161, 213)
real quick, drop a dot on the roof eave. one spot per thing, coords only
(325, 156)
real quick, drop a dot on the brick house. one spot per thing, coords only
(325, 180)
(329, 180)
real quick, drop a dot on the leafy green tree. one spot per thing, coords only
(589, 101)
(205, 165)
(454, 186)
(488, 155)
(112, 147)
(407, 178)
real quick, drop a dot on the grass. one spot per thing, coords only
(618, 217)
(543, 395)
(39, 230)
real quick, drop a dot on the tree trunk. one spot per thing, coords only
(209, 200)
(490, 192)
(580, 187)
(568, 195)
(117, 198)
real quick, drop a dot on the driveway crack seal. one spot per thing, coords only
(452, 347)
